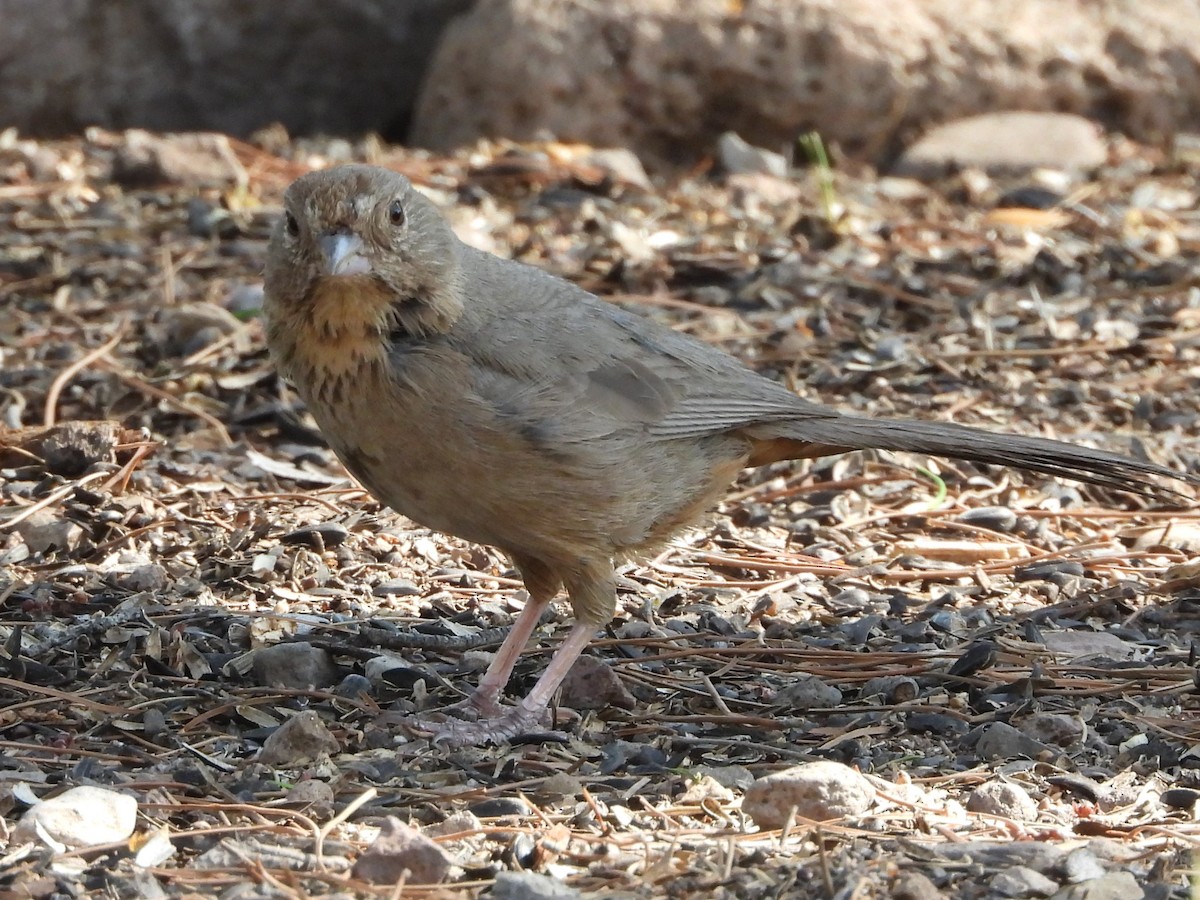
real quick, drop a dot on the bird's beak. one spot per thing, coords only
(343, 252)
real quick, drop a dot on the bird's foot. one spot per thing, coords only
(502, 725)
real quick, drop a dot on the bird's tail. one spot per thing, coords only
(818, 436)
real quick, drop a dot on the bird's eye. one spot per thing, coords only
(396, 213)
(290, 225)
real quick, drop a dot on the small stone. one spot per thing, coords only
(994, 518)
(1002, 741)
(295, 665)
(83, 816)
(705, 789)
(1180, 798)
(193, 326)
(397, 587)
(1006, 142)
(1078, 644)
(807, 692)
(818, 790)
(914, 886)
(499, 807)
(245, 301)
(313, 795)
(401, 850)
(44, 532)
(737, 777)
(738, 157)
(592, 684)
(1113, 886)
(531, 886)
(318, 536)
(1022, 882)
(1059, 729)
(152, 577)
(621, 164)
(455, 823)
(300, 740)
(1004, 799)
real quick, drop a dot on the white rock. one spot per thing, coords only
(80, 817)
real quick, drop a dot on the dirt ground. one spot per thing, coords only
(1007, 659)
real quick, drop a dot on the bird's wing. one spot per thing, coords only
(560, 358)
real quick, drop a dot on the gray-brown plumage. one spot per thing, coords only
(490, 400)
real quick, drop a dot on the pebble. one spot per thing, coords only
(318, 536)
(294, 665)
(498, 807)
(83, 816)
(807, 692)
(300, 740)
(1059, 729)
(401, 848)
(592, 684)
(397, 587)
(819, 791)
(1003, 798)
(1180, 798)
(313, 795)
(152, 577)
(455, 823)
(621, 164)
(994, 518)
(531, 886)
(914, 885)
(1022, 882)
(737, 157)
(1006, 142)
(1002, 741)
(1078, 644)
(43, 532)
(1113, 886)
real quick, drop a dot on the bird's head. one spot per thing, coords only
(365, 235)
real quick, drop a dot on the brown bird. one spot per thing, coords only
(493, 401)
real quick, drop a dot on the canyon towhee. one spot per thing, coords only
(493, 401)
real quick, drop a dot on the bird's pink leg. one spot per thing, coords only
(526, 715)
(485, 699)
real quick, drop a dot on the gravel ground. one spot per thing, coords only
(963, 681)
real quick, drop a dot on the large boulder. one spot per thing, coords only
(224, 65)
(667, 78)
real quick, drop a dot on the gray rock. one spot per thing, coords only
(1059, 729)
(807, 692)
(300, 740)
(1003, 798)
(818, 791)
(43, 532)
(150, 577)
(531, 886)
(1001, 741)
(80, 817)
(1006, 142)
(1113, 886)
(185, 65)
(592, 684)
(668, 78)
(1022, 882)
(737, 157)
(296, 665)
(400, 848)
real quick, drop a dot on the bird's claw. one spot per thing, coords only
(503, 725)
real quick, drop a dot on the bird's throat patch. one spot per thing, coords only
(348, 319)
